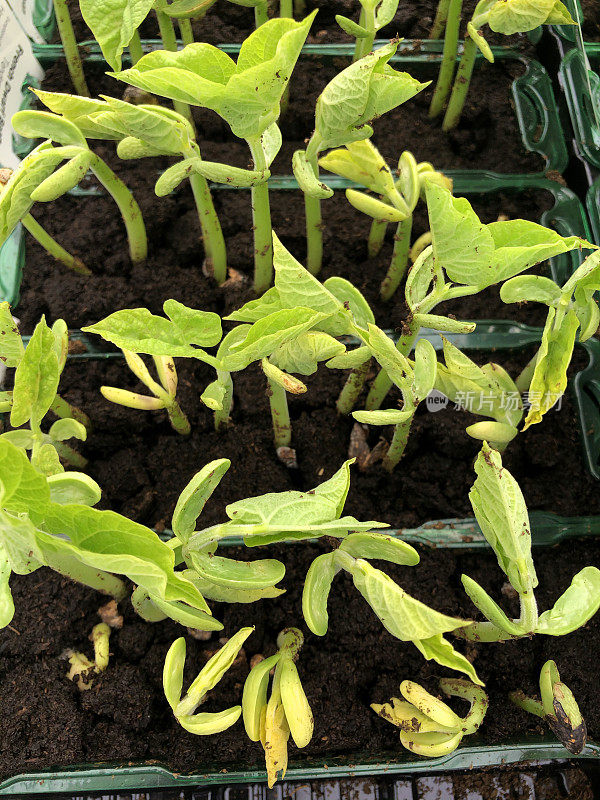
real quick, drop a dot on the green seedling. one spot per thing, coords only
(429, 727)
(271, 719)
(41, 181)
(15, 209)
(51, 522)
(345, 108)
(572, 309)
(374, 15)
(246, 94)
(38, 368)
(149, 130)
(502, 16)
(164, 393)
(184, 333)
(464, 258)
(203, 723)
(70, 48)
(488, 391)
(362, 163)
(501, 512)
(81, 668)
(558, 708)
(401, 615)
(415, 382)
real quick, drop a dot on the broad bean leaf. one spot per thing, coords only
(81, 111)
(113, 23)
(362, 163)
(520, 16)
(247, 94)
(225, 594)
(317, 586)
(307, 180)
(234, 574)
(491, 610)
(74, 487)
(575, 606)
(7, 606)
(36, 378)
(44, 125)
(501, 512)
(402, 615)
(530, 288)
(336, 488)
(140, 331)
(304, 353)
(380, 546)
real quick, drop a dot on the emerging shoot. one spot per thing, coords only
(81, 668)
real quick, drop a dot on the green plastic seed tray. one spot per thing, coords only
(566, 216)
(581, 86)
(592, 202)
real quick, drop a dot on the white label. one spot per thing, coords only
(24, 12)
(16, 63)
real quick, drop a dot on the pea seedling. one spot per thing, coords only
(500, 510)
(362, 163)
(502, 16)
(246, 94)
(558, 708)
(43, 183)
(345, 108)
(572, 308)
(427, 725)
(271, 720)
(203, 723)
(401, 615)
(81, 668)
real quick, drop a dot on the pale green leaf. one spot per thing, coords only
(575, 606)
(380, 546)
(74, 487)
(11, 344)
(317, 586)
(36, 378)
(440, 650)
(113, 23)
(307, 180)
(193, 498)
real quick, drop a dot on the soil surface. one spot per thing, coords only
(92, 228)
(591, 20)
(142, 465)
(47, 723)
(227, 22)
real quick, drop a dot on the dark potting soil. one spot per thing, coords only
(230, 23)
(142, 465)
(47, 722)
(91, 228)
(488, 136)
(591, 20)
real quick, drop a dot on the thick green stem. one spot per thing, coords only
(376, 237)
(439, 23)
(352, 388)
(314, 220)
(461, 86)
(169, 40)
(179, 421)
(398, 445)
(286, 8)
(67, 37)
(399, 262)
(529, 611)
(447, 67)
(382, 384)
(212, 234)
(52, 246)
(65, 410)
(187, 33)
(282, 427)
(261, 218)
(261, 14)
(135, 48)
(130, 211)
(71, 456)
(223, 417)
(527, 703)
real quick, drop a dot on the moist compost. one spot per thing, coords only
(142, 465)
(90, 227)
(47, 723)
(229, 23)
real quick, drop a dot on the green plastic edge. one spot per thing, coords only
(592, 201)
(567, 32)
(533, 94)
(573, 76)
(566, 216)
(107, 778)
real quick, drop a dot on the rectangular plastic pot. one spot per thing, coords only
(566, 216)
(581, 87)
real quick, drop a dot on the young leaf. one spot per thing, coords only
(254, 698)
(315, 594)
(575, 606)
(304, 353)
(74, 487)
(114, 24)
(379, 546)
(36, 378)
(7, 606)
(12, 344)
(193, 498)
(307, 180)
(440, 650)
(238, 574)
